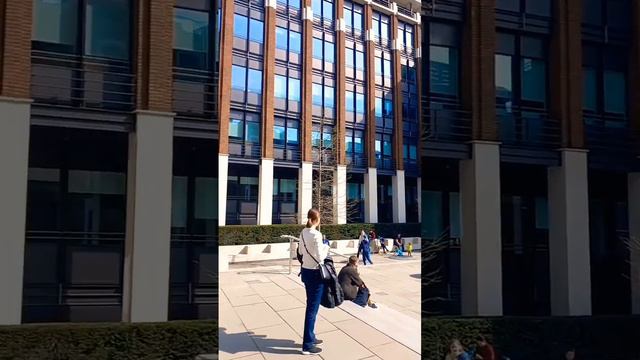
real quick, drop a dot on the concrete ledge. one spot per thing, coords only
(234, 254)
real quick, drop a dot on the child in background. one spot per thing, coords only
(410, 248)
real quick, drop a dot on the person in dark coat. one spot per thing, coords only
(352, 285)
(333, 294)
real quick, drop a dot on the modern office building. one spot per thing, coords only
(311, 86)
(108, 150)
(530, 169)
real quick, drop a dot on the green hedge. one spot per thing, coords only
(169, 340)
(594, 338)
(262, 234)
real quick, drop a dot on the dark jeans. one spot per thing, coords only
(366, 256)
(362, 298)
(315, 287)
(383, 246)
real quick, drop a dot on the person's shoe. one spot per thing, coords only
(318, 342)
(373, 305)
(312, 351)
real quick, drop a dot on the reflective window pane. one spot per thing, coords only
(281, 38)
(589, 89)
(240, 26)
(107, 29)
(253, 132)
(254, 78)
(238, 77)
(236, 129)
(317, 49)
(328, 96)
(55, 21)
(316, 94)
(256, 30)
(533, 74)
(280, 87)
(444, 70)
(294, 89)
(294, 42)
(191, 30)
(615, 94)
(504, 82)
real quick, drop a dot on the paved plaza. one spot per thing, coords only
(262, 313)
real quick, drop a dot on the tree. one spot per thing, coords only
(432, 251)
(633, 244)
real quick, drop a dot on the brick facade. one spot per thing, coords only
(370, 89)
(397, 97)
(226, 60)
(15, 48)
(268, 83)
(307, 87)
(341, 110)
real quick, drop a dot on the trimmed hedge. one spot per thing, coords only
(169, 340)
(594, 338)
(263, 234)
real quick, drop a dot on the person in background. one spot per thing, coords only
(383, 245)
(363, 236)
(353, 286)
(456, 351)
(325, 240)
(401, 242)
(410, 249)
(366, 251)
(484, 350)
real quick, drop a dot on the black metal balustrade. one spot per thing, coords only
(609, 134)
(73, 276)
(447, 125)
(405, 11)
(244, 150)
(527, 128)
(193, 292)
(193, 94)
(74, 81)
(357, 161)
(287, 154)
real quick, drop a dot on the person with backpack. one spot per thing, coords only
(313, 253)
(362, 237)
(366, 250)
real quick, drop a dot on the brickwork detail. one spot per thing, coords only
(15, 48)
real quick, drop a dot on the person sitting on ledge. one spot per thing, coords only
(353, 286)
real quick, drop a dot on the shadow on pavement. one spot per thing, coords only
(247, 342)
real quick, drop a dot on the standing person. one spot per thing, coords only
(484, 350)
(353, 286)
(410, 248)
(401, 242)
(363, 236)
(313, 253)
(383, 244)
(366, 251)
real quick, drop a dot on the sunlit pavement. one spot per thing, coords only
(261, 313)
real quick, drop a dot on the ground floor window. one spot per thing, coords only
(355, 198)
(285, 196)
(242, 194)
(385, 199)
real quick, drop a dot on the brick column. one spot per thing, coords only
(478, 48)
(371, 87)
(307, 82)
(397, 95)
(150, 166)
(268, 83)
(566, 72)
(340, 82)
(417, 37)
(226, 61)
(154, 55)
(15, 114)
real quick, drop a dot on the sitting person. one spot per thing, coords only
(353, 286)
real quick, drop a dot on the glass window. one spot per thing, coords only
(240, 26)
(539, 7)
(615, 94)
(360, 103)
(253, 132)
(317, 49)
(413, 152)
(281, 38)
(315, 138)
(294, 42)
(359, 60)
(236, 129)
(316, 7)
(454, 215)
(191, 30)
(350, 101)
(358, 147)
(590, 89)
(256, 30)
(348, 17)
(280, 86)
(432, 221)
(592, 12)
(55, 21)
(533, 74)
(292, 135)
(444, 70)
(278, 135)
(504, 84)
(238, 77)
(327, 140)
(349, 143)
(107, 28)
(386, 148)
(294, 4)
(316, 94)
(328, 52)
(388, 108)
(387, 68)
(328, 96)
(294, 89)
(510, 5)
(378, 66)
(348, 57)
(254, 78)
(327, 9)
(378, 107)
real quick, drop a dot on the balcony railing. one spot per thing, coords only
(609, 134)
(81, 82)
(327, 156)
(357, 161)
(193, 94)
(448, 125)
(244, 150)
(411, 166)
(405, 11)
(384, 163)
(287, 154)
(384, 3)
(528, 128)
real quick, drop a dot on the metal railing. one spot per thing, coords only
(244, 150)
(193, 94)
(81, 82)
(404, 10)
(287, 154)
(384, 3)
(357, 160)
(527, 128)
(448, 125)
(609, 133)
